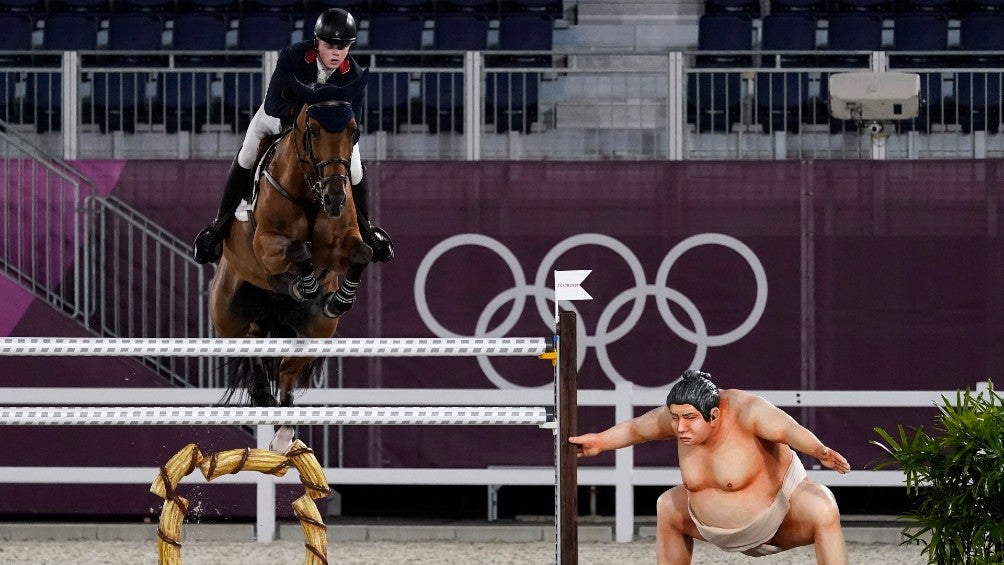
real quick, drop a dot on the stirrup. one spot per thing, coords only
(208, 247)
(383, 247)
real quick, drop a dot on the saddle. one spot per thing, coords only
(266, 152)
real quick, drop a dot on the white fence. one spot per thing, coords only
(623, 476)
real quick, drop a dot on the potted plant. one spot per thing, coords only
(956, 475)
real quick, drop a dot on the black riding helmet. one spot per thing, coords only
(336, 26)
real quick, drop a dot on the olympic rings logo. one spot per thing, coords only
(604, 335)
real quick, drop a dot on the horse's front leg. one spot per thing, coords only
(337, 303)
(289, 266)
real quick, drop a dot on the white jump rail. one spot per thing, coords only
(547, 415)
(624, 400)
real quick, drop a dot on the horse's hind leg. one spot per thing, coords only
(291, 370)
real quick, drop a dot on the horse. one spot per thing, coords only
(292, 269)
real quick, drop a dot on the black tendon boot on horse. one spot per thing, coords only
(376, 238)
(209, 243)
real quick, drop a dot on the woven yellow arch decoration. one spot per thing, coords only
(234, 461)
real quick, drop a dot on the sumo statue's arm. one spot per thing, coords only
(652, 425)
(773, 424)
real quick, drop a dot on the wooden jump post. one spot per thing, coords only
(566, 462)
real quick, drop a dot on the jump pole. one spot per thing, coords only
(566, 463)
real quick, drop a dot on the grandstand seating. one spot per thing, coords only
(17, 31)
(186, 95)
(512, 98)
(781, 96)
(921, 32)
(979, 92)
(387, 99)
(23, 6)
(443, 92)
(62, 32)
(120, 97)
(714, 98)
(166, 7)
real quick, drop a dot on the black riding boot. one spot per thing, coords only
(209, 242)
(376, 238)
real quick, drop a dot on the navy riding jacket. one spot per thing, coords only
(299, 61)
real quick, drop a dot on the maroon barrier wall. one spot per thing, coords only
(879, 276)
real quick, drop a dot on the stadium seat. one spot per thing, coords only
(549, 8)
(443, 92)
(144, 6)
(878, 7)
(921, 33)
(419, 8)
(31, 7)
(62, 32)
(186, 95)
(387, 100)
(714, 97)
(782, 97)
(849, 32)
(512, 97)
(486, 7)
(17, 31)
(979, 92)
(749, 8)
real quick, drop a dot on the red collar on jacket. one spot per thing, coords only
(311, 57)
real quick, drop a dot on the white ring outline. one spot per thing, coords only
(699, 337)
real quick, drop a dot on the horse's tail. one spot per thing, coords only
(256, 379)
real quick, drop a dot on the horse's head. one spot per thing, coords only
(328, 130)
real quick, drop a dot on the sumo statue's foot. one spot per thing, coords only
(283, 439)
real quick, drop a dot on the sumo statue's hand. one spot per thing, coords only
(587, 445)
(833, 460)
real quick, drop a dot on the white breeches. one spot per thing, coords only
(262, 124)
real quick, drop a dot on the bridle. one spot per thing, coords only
(311, 168)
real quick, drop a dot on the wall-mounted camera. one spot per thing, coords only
(869, 98)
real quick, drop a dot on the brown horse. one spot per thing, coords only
(292, 269)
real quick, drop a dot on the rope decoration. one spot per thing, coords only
(234, 461)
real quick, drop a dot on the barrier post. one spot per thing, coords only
(566, 405)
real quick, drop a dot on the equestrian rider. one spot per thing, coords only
(325, 59)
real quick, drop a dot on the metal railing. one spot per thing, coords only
(569, 105)
(42, 239)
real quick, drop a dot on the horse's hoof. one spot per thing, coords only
(283, 439)
(335, 306)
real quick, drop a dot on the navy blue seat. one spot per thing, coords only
(920, 33)
(746, 7)
(811, 7)
(31, 7)
(782, 97)
(849, 32)
(286, 7)
(360, 10)
(264, 32)
(387, 100)
(16, 37)
(443, 92)
(224, 7)
(979, 92)
(17, 30)
(419, 8)
(135, 32)
(186, 95)
(120, 97)
(97, 8)
(512, 97)
(486, 7)
(242, 91)
(987, 5)
(145, 6)
(714, 97)
(62, 32)
(879, 7)
(550, 8)
(935, 6)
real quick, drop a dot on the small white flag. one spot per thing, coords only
(568, 285)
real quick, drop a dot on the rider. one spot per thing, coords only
(325, 59)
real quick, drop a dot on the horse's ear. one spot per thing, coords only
(301, 90)
(354, 88)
